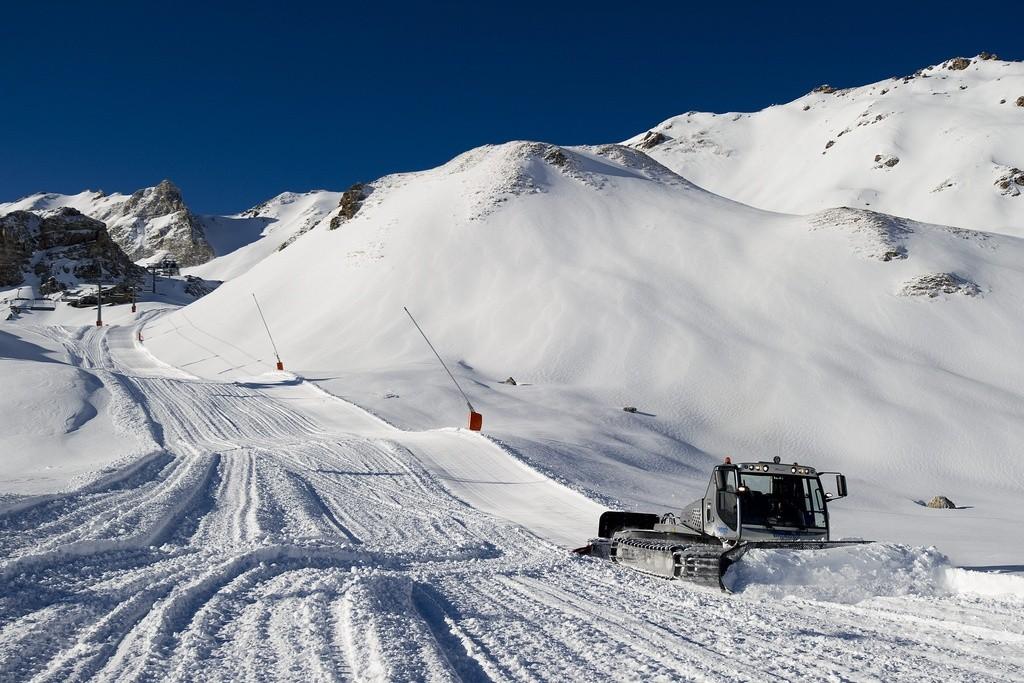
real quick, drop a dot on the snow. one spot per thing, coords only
(243, 240)
(284, 534)
(955, 133)
(599, 285)
(59, 427)
(172, 507)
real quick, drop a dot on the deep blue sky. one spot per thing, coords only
(237, 102)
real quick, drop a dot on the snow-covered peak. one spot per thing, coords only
(942, 145)
(153, 220)
(152, 202)
(244, 239)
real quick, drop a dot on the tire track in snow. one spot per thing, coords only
(234, 555)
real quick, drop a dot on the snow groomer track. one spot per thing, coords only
(276, 533)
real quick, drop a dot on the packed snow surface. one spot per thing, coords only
(281, 533)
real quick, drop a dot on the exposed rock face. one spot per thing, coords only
(652, 139)
(886, 160)
(825, 88)
(941, 502)
(1010, 182)
(556, 157)
(197, 287)
(156, 219)
(150, 221)
(1020, 101)
(350, 203)
(958, 64)
(16, 246)
(934, 284)
(59, 250)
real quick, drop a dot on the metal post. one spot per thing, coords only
(134, 287)
(280, 365)
(99, 304)
(475, 418)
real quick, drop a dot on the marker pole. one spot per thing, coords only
(280, 365)
(475, 419)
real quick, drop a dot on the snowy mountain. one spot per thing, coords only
(245, 239)
(847, 338)
(172, 507)
(149, 222)
(944, 145)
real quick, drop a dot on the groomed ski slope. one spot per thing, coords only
(277, 533)
(599, 279)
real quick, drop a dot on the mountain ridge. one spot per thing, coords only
(943, 145)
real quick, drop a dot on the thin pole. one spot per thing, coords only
(99, 304)
(470, 405)
(276, 354)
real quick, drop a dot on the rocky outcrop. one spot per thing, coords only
(155, 220)
(957, 64)
(825, 89)
(886, 160)
(349, 204)
(16, 246)
(942, 503)
(1010, 181)
(1020, 101)
(934, 284)
(651, 139)
(60, 250)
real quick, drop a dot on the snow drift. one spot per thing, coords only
(854, 573)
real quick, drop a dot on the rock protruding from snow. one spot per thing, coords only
(16, 233)
(932, 285)
(941, 502)
(155, 220)
(1010, 181)
(875, 235)
(957, 64)
(652, 139)
(59, 250)
(348, 206)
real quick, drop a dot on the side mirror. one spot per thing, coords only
(840, 485)
(840, 488)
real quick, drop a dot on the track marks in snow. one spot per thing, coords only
(256, 543)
